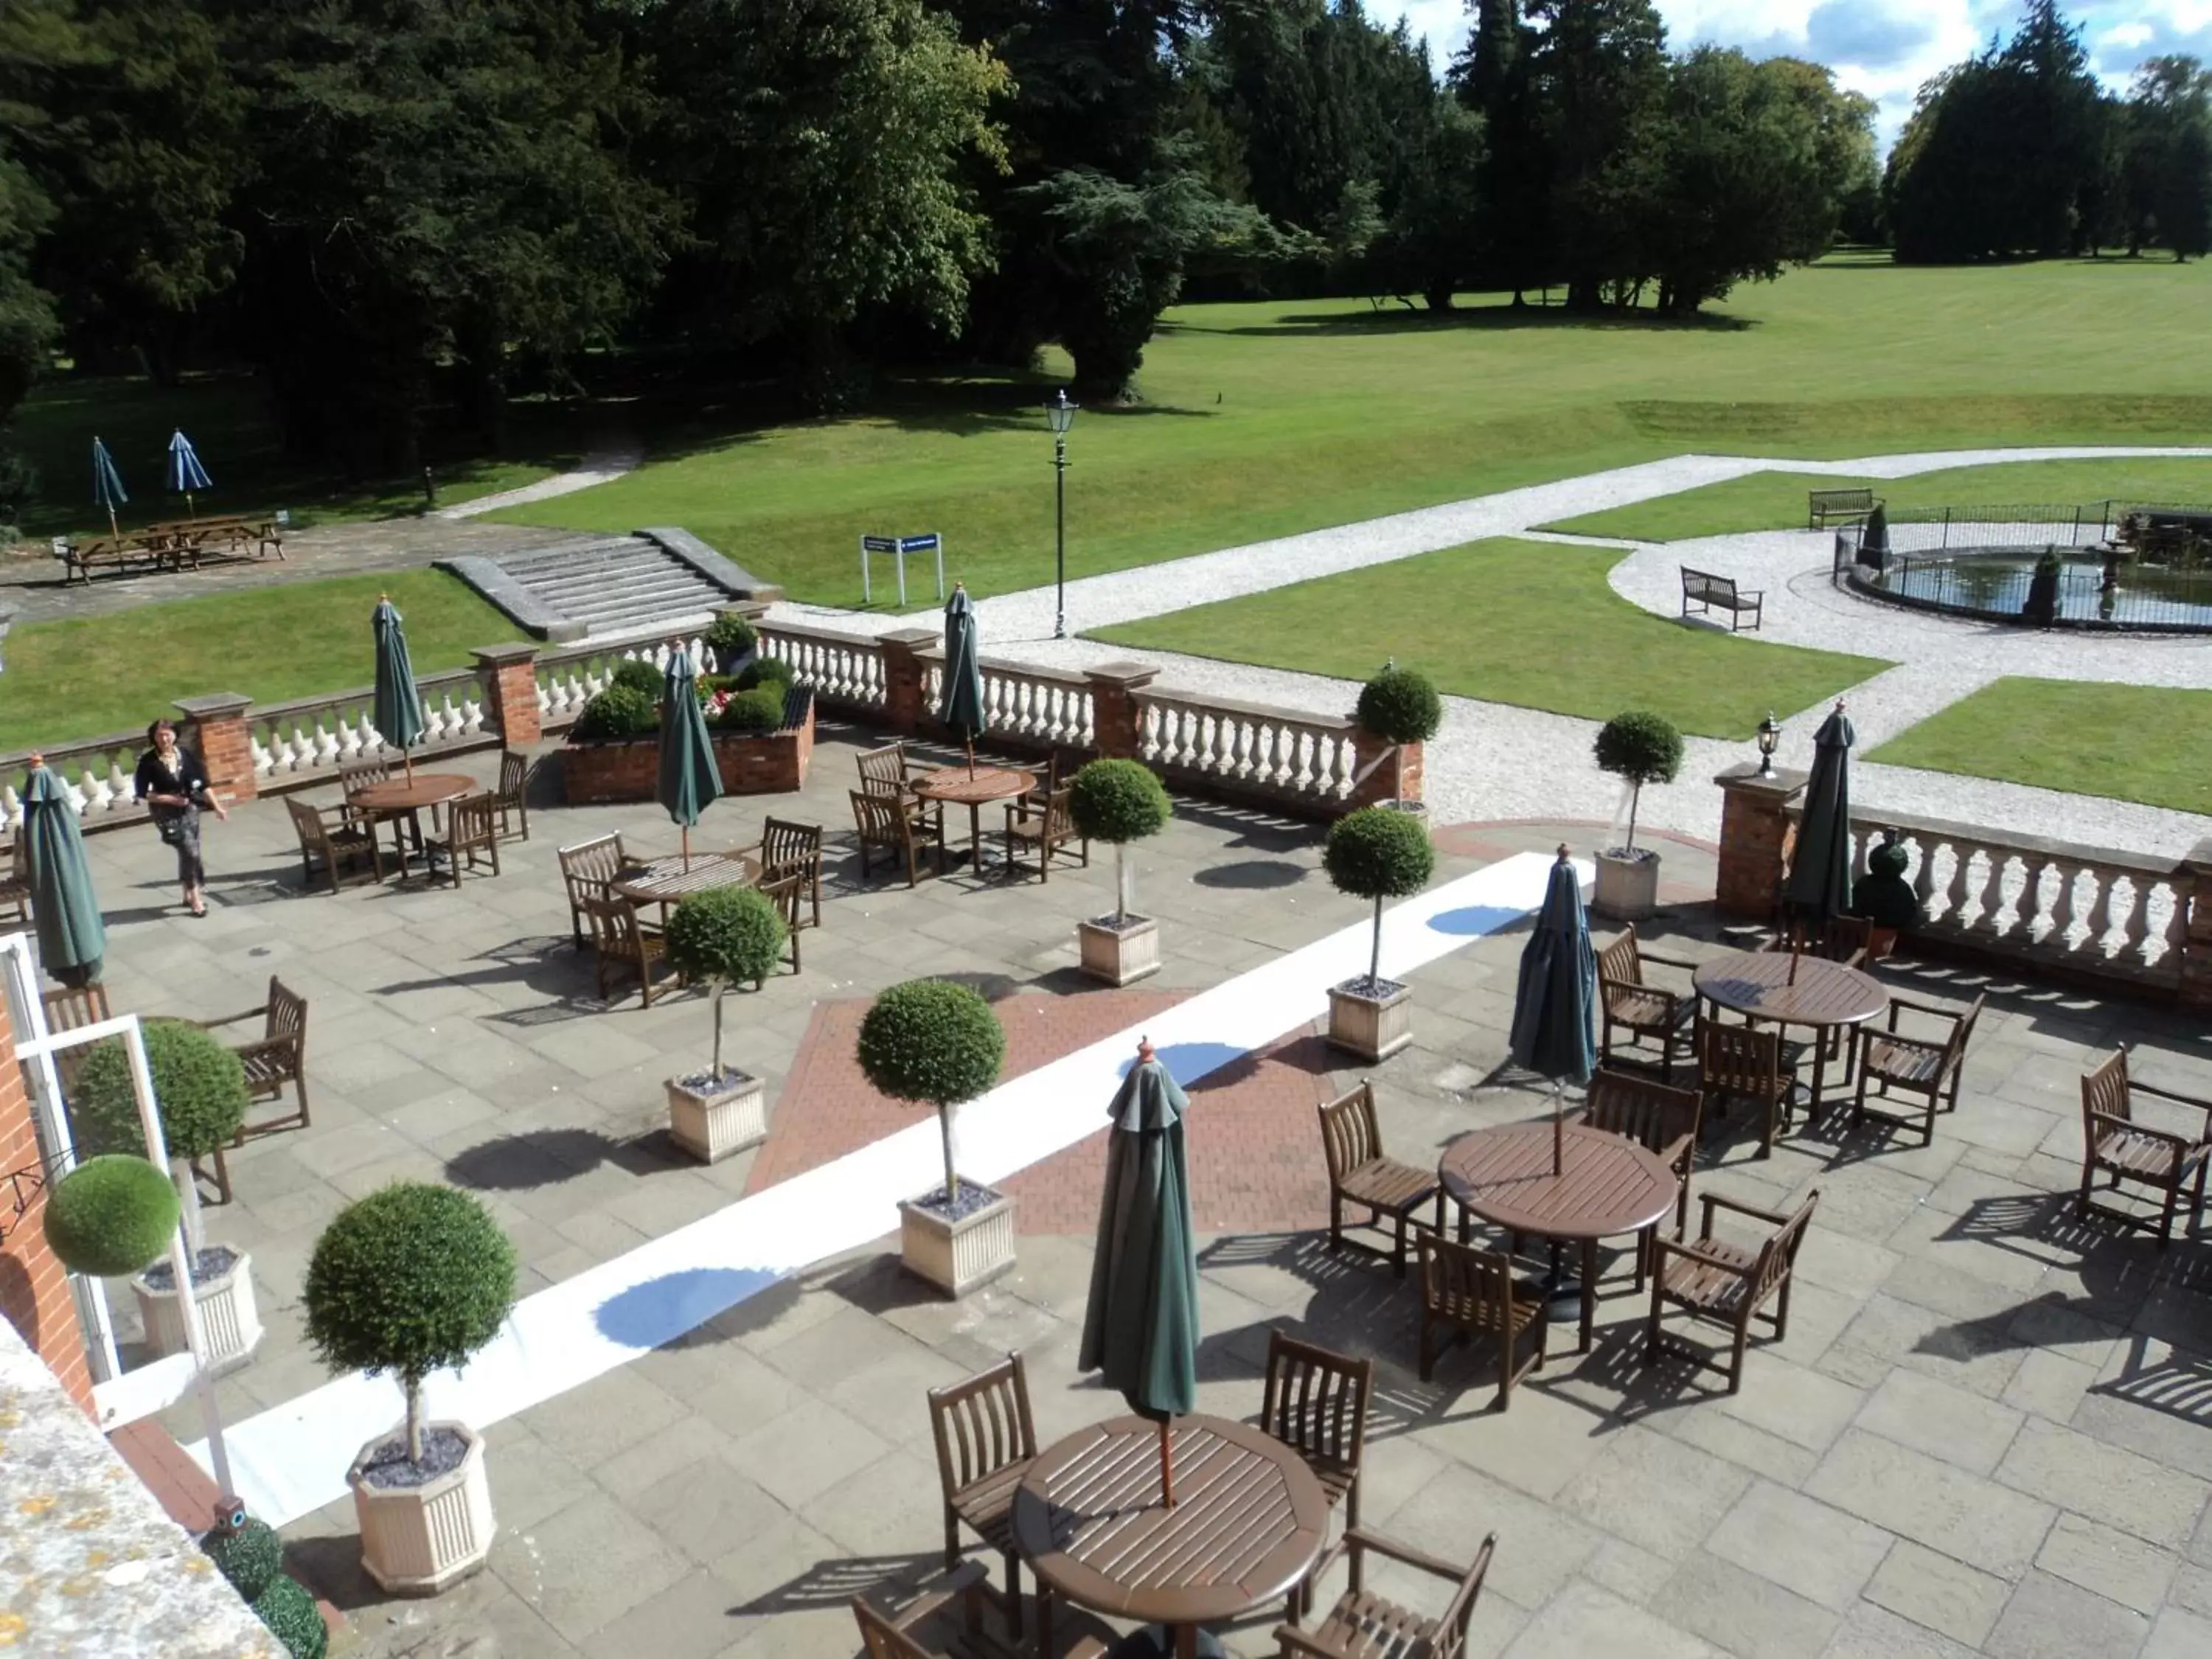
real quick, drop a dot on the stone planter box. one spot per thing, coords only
(1370, 1026)
(957, 1256)
(1120, 956)
(229, 1317)
(1628, 885)
(596, 774)
(418, 1541)
(712, 1126)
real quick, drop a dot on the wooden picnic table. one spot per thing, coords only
(401, 799)
(1249, 1522)
(1790, 988)
(178, 545)
(956, 785)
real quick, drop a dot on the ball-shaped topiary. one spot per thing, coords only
(930, 1040)
(112, 1216)
(1118, 801)
(1883, 895)
(1377, 853)
(289, 1612)
(411, 1279)
(249, 1560)
(638, 675)
(620, 711)
(199, 1092)
(725, 934)
(1400, 706)
(731, 634)
(760, 709)
(765, 671)
(1641, 748)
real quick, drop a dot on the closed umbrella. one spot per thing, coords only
(960, 707)
(1140, 1327)
(72, 939)
(108, 488)
(398, 709)
(690, 781)
(1873, 540)
(1819, 885)
(185, 472)
(1554, 999)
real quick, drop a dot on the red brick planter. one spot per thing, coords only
(626, 769)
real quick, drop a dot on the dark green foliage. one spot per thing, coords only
(199, 1090)
(291, 1613)
(1117, 801)
(1400, 705)
(1640, 748)
(249, 1560)
(1377, 854)
(411, 1279)
(112, 1215)
(765, 671)
(620, 711)
(725, 933)
(638, 675)
(760, 709)
(1883, 895)
(732, 633)
(932, 1040)
(2166, 157)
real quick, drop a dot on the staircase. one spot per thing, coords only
(598, 587)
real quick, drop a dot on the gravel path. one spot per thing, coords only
(600, 466)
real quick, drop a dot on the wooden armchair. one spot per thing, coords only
(1657, 1118)
(1628, 1002)
(1038, 828)
(787, 892)
(2115, 1142)
(511, 799)
(1890, 1061)
(1744, 1063)
(15, 887)
(1727, 1283)
(71, 1008)
(902, 827)
(899, 1635)
(334, 842)
(1362, 1625)
(787, 848)
(473, 834)
(986, 1442)
(1471, 1292)
(586, 867)
(626, 946)
(886, 771)
(1360, 1173)
(361, 775)
(276, 1057)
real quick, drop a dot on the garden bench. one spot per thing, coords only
(80, 559)
(1710, 593)
(1827, 506)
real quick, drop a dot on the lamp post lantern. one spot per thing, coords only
(1769, 740)
(1061, 414)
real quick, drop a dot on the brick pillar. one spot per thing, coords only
(1375, 771)
(508, 674)
(1755, 835)
(2196, 943)
(35, 1291)
(217, 728)
(906, 679)
(1117, 724)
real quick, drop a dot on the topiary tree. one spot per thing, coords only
(635, 674)
(249, 1558)
(1400, 706)
(1642, 748)
(932, 1040)
(732, 639)
(723, 935)
(760, 709)
(1118, 801)
(1375, 853)
(1883, 895)
(620, 711)
(199, 1095)
(411, 1280)
(765, 671)
(112, 1216)
(292, 1617)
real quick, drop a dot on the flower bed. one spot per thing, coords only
(596, 772)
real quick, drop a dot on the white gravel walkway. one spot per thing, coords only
(600, 466)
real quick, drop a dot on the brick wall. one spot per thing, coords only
(35, 1292)
(595, 774)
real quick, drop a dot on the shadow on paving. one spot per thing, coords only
(545, 1157)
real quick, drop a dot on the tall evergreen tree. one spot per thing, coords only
(1514, 196)
(2168, 157)
(1600, 67)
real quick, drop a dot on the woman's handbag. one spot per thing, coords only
(171, 825)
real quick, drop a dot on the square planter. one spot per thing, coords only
(229, 1317)
(958, 1255)
(711, 1124)
(1120, 956)
(1627, 885)
(419, 1540)
(1373, 1023)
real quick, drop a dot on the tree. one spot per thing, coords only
(1400, 706)
(1434, 241)
(2168, 156)
(1600, 67)
(1638, 748)
(1118, 801)
(1495, 78)
(1377, 853)
(934, 1041)
(111, 1216)
(199, 1098)
(722, 935)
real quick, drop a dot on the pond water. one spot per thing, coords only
(1996, 584)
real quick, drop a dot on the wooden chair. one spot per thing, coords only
(1365, 1626)
(511, 799)
(472, 833)
(1628, 1002)
(1744, 1063)
(335, 843)
(1041, 827)
(586, 867)
(1847, 940)
(986, 1442)
(1728, 1284)
(1315, 1401)
(276, 1057)
(361, 775)
(625, 944)
(16, 888)
(786, 847)
(902, 827)
(1659, 1119)
(788, 894)
(71, 1008)
(2114, 1141)
(1359, 1173)
(1471, 1292)
(886, 771)
(1916, 1065)
(899, 1635)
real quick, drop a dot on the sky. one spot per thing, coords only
(1883, 48)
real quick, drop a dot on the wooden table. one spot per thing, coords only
(1248, 1524)
(1606, 1185)
(664, 881)
(1793, 990)
(955, 787)
(402, 798)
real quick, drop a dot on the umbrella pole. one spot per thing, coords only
(686, 848)
(113, 529)
(971, 758)
(1167, 1467)
(1559, 1127)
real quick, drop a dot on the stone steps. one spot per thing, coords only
(612, 585)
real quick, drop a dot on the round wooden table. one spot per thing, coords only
(664, 881)
(1793, 990)
(956, 787)
(1606, 1185)
(1249, 1522)
(402, 798)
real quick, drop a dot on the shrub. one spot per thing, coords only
(765, 671)
(760, 709)
(1641, 748)
(1400, 706)
(199, 1091)
(292, 1617)
(1118, 801)
(1377, 853)
(638, 675)
(249, 1560)
(1883, 897)
(112, 1216)
(731, 633)
(620, 711)
(930, 1040)
(411, 1279)
(723, 935)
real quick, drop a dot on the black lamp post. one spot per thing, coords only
(1061, 415)
(1769, 740)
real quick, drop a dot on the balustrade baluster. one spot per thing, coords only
(2101, 911)
(2135, 923)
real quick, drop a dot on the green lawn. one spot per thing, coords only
(1532, 623)
(2136, 743)
(104, 674)
(1776, 501)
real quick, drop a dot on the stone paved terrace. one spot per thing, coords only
(1989, 1430)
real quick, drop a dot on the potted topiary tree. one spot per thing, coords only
(722, 936)
(1375, 854)
(411, 1280)
(1119, 801)
(200, 1097)
(1883, 895)
(932, 1042)
(111, 1216)
(733, 639)
(1639, 748)
(1400, 706)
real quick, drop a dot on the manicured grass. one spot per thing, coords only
(1532, 623)
(89, 678)
(1776, 501)
(2132, 742)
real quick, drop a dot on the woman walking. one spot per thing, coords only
(171, 781)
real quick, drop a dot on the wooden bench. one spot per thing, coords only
(175, 546)
(1827, 506)
(1710, 593)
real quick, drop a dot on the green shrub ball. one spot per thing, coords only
(1377, 854)
(112, 1216)
(199, 1091)
(732, 633)
(636, 674)
(1640, 748)
(1883, 895)
(292, 1617)
(249, 1560)
(1116, 801)
(620, 711)
(725, 933)
(930, 1040)
(765, 671)
(1400, 706)
(412, 1279)
(760, 709)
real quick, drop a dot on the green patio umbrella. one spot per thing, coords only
(1820, 885)
(1553, 998)
(1140, 1327)
(398, 710)
(72, 939)
(108, 488)
(960, 706)
(690, 781)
